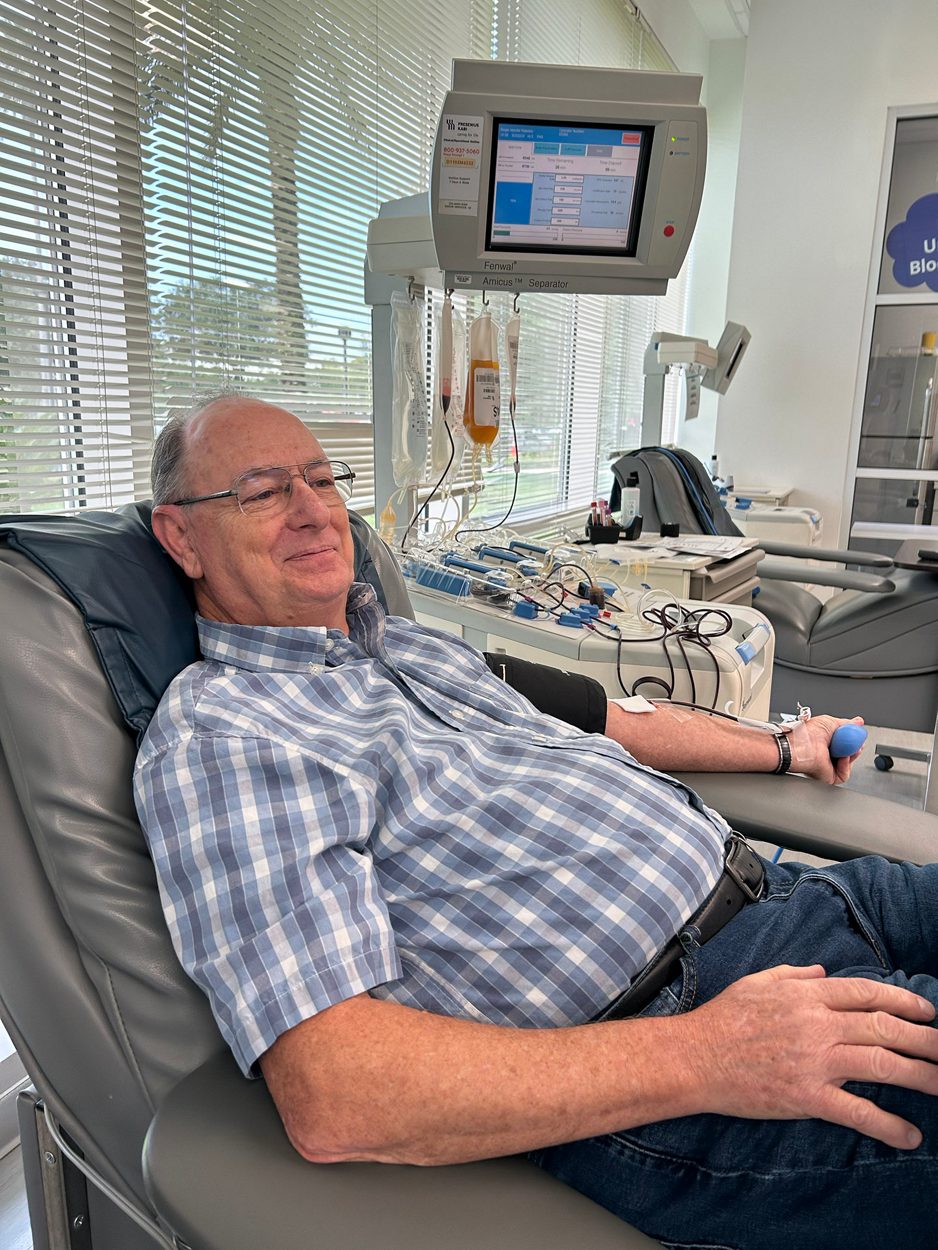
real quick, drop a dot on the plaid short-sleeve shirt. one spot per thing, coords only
(330, 815)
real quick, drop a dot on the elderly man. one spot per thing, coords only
(445, 926)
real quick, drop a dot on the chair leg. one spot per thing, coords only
(65, 1211)
(885, 750)
(57, 1200)
(884, 754)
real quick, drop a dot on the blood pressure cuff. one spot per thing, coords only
(570, 697)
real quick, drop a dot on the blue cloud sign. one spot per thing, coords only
(913, 245)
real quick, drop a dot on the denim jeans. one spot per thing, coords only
(722, 1183)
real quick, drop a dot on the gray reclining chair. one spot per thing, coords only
(140, 1130)
(870, 650)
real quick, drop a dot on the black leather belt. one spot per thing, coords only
(741, 883)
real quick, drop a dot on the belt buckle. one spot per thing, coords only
(730, 868)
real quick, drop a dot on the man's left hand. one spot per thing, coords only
(810, 749)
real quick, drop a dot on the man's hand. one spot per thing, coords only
(810, 749)
(781, 1044)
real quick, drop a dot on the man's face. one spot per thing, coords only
(290, 568)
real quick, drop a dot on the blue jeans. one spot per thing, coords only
(721, 1183)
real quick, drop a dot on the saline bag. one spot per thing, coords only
(409, 392)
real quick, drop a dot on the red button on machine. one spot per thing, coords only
(668, 231)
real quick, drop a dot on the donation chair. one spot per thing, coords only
(870, 650)
(139, 1130)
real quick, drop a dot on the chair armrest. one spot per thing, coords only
(844, 579)
(222, 1174)
(814, 572)
(834, 555)
(817, 819)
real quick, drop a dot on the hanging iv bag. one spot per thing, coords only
(410, 416)
(448, 425)
(483, 392)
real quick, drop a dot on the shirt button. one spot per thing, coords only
(314, 668)
(330, 643)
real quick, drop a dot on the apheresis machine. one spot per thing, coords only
(546, 179)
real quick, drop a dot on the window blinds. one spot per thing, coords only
(273, 132)
(74, 402)
(187, 190)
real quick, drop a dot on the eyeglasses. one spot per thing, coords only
(268, 490)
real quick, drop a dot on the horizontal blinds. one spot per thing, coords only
(273, 133)
(74, 411)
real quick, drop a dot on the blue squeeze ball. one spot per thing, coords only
(847, 740)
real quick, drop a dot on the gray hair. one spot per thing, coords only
(168, 469)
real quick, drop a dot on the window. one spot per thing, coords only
(188, 192)
(75, 415)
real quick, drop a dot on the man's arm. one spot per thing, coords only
(676, 739)
(369, 1079)
(672, 739)
(275, 911)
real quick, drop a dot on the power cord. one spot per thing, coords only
(682, 626)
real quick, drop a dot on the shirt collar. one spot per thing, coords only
(280, 648)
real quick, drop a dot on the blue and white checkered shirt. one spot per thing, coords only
(330, 815)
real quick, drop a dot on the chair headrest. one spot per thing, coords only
(136, 602)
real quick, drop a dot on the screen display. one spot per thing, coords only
(566, 188)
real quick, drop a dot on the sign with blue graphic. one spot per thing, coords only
(913, 245)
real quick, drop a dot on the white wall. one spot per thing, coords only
(675, 25)
(819, 78)
(707, 307)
